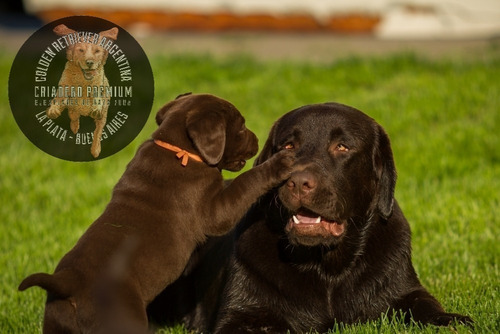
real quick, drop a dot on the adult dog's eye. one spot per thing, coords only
(341, 148)
(289, 146)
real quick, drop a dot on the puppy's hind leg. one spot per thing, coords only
(60, 316)
(119, 300)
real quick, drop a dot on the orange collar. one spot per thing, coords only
(181, 154)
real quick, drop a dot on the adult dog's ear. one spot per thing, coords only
(207, 130)
(386, 172)
(62, 30)
(110, 34)
(268, 149)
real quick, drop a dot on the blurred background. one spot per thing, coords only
(271, 29)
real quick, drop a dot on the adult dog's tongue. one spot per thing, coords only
(88, 74)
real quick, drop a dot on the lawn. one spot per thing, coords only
(443, 117)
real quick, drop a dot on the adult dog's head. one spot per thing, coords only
(344, 173)
(212, 126)
(86, 51)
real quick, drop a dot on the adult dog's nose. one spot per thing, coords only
(302, 183)
(89, 63)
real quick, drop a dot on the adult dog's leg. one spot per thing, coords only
(257, 321)
(426, 309)
(95, 150)
(74, 117)
(55, 109)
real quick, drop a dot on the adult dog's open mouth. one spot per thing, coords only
(307, 223)
(88, 73)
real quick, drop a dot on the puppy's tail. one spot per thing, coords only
(57, 284)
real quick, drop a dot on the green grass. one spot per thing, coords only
(443, 118)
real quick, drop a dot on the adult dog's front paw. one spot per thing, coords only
(446, 319)
(97, 112)
(54, 111)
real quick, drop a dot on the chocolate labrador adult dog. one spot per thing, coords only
(330, 245)
(170, 198)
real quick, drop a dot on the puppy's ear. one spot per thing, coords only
(110, 34)
(207, 130)
(62, 30)
(160, 115)
(267, 150)
(386, 171)
(182, 95)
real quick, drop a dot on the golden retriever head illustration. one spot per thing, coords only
(86, 52)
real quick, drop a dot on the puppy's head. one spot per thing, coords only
(87, 53)
(213, 126)
(344, 173)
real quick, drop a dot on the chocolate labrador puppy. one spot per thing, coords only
(169, 199)
(330, 245)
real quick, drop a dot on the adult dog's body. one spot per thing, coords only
(84, 70)
(331, 245)
(159, 212)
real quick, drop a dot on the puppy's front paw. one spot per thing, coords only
(282, 164)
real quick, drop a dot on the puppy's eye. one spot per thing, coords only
(289, 146)
(341, 148)
(81, 50)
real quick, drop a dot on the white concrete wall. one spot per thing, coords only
(401, 18)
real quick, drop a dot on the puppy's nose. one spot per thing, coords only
(302, 182)
(89, 63)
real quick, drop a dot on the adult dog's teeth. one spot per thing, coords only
(295, 219)
(318, 220)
